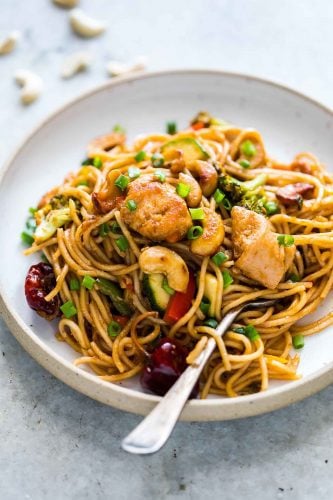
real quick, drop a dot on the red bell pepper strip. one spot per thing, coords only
(122, 320)
(180, 302)
(197, 125)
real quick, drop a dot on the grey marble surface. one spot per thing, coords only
(58, 444)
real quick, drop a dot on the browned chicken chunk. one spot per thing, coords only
(258, 253)
(160, 214)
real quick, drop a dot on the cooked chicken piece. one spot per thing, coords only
(160, 214)
(258, 253)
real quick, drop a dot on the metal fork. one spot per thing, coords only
(154, 430)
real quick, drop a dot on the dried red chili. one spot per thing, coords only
(39, 282)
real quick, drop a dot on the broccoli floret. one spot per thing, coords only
(245, 194)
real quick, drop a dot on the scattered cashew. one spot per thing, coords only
(66, 3)
(116, 68)
(162, 260)
(206, 174)
(32, 85)
(84, 25)
(212, 236)
(8, 44)
(79, 61)
(194, 197)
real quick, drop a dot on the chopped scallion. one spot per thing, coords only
(197, 213)
(227, 204)
(140, 156)
(219, 196)
(87, 162)
(285, 240)
(88, 282)
(157, 160)
(26, 238)
(113, 329)
(244, 163)
(271, 207)
(166, 287)
(251, 332)
(131, 205)
(33, 210)
(160, 175)
(171, 128)
(68, 309)
(211, 322)
(119, 129)
(227, 279)
(115, 228)
(183, 190)
(122, 182)
(104, 229)
(204, 305)
(219, 258)
(97, 162)
(248, 148)
(295, 278)
(194, 232)
(74, 284)
(298, 341)
(133, 172)
(122, 243)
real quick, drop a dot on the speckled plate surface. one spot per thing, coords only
(289, 122)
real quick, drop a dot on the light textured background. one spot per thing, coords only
(58, 444)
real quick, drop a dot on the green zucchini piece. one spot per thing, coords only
(115, 293)
(190, 147)
(153, 289)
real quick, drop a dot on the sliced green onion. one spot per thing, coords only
(227, 279)
(219, 196)
(26, 238)
(271, 207)
(285, 240)
(74, 284)
(119, 128)
(140, 156)
(87, 162)
(183, 190)
(68, 309)
(122, 182)
(157, 160)
(115, 228)
(82, 183)
(219, 258)
(194, 232)
(97, 162)
(239, 329)
(295, 278)
(204, 305)
(131, 205)
(248, 148)
(227, 204)
(31, 224)
(114, 329)
(298, 341)
(160, 175)
(171, 128)
(122, 243)
(133, 172)
(88, 282)
(197, 213)
(211, 322)
(33, 210)
(166, 287)
(244, 163)
(251, 332)
(104, 229)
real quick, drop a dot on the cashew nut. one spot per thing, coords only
(84, 25)
(162, 260)
(212, 236)
(206, 174)
(8, 44)
(116, 68)
(32, 85)
(66, 3)
(194, 197)
(79, 61)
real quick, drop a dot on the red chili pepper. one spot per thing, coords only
(180, 302)
(198, 125)
(122, 320)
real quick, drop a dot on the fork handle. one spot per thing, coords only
(151, 434)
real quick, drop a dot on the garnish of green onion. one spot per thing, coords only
(285, 240)
(295, 278)
(87, 162)
(74, 284)
(298, 341)
(219, 196)
(122, 182)
(88, 282)
(227, 279)
(131, 205)
(204, 305)
(239, 329)
(244, 163)
(140, 156)
(251, 332)
(133, 172)
(160, 175)
(104, 229)
(166, 287)
(115, 228)
(227, 204)
(171, 128)
(197, 213)
(97, 162)
(157, 160)
(219, 258)
(33, 210)
(26, 238)
(118, 128)
(122, 243)
(211, 322)
(194, 232)
(113, 329)
(248, 148)
(31, 224)
(271, 207)
(183, 190)
(68, 309)
(82, 183)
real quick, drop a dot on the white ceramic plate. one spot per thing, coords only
(289, 123)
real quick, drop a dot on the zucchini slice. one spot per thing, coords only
(153, 289)
(190, 147)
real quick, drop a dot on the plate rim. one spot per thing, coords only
(124, 398)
